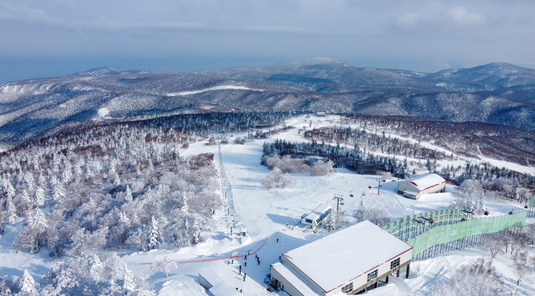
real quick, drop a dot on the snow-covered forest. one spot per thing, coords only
(113, 187)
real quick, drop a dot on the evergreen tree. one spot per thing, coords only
(154, 235)
(27, 285)
(39, 197)
(10, 211)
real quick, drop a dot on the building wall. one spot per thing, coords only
(383, 270)
(285, 284)
(434, 189)
(204, 282)
(404, 186)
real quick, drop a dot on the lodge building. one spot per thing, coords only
(348, 261)
(420, 185)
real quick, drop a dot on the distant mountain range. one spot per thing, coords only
(497, 93)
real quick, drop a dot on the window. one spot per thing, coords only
(347, 288)
(394, 263)
(372, 275)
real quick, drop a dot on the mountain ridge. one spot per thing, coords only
(497, 93)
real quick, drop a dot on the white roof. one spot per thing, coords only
(317, 211)
(428, 180)
(219, 286)
(296, 280)
(346, 254)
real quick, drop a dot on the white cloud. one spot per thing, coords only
(456, 18)
(410, 19)
(461, 15)
(363, 32)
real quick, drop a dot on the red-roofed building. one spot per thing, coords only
(423, 184)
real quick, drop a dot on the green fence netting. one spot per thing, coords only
(453, 232)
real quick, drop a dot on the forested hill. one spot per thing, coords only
(496, 93)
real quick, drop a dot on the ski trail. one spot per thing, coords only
(388, 202)
(225, 188)
(216, 258)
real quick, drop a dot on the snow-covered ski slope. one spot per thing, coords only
(275, 215)
(270, 218)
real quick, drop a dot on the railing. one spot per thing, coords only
(531, 207)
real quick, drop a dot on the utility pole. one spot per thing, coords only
(338, 198)
(379, 188)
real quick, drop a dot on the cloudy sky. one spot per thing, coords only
(56, 37)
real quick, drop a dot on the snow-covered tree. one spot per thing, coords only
(137, 238)
(494, 245)
(58, 190)
(27, 285)
(375, 215)
(96, 268)
(322, 168)
(10, 210)
(470, 196)
(275, 178)
(154, 234)
(91, 275)
(163, 266)
(39, 197)
(128, 284)
(9, 189)
(477, 278)
(22, 202)
(85, 242)
(128, 194)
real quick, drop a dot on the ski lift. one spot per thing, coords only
(341, 203)
(418, 221)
